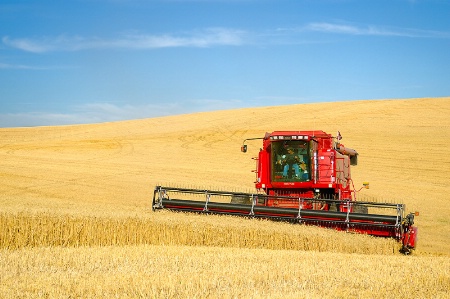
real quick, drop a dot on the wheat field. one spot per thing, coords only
(76, 217)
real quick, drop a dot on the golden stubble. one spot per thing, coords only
(152, 271)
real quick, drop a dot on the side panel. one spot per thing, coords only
(410, 238)
(326, 167)
(342, 169)
(263, 171)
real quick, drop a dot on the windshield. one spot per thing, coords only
(290, 161)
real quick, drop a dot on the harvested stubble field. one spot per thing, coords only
(76, 217)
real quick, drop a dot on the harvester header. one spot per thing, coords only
(304, 177)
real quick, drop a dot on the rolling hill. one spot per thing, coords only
(109, 170)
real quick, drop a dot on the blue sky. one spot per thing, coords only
(89, 61)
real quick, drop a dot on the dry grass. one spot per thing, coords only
(210, 272)
(65, 188)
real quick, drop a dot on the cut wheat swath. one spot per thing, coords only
(24, 230)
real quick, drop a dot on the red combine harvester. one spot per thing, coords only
(303, 177)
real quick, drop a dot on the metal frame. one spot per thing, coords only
(374, 224)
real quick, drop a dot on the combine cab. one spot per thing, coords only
(303, 177)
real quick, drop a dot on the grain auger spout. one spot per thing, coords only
(301, 177)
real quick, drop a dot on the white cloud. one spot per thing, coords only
(15, 66)
(107, 112)
(31, 119)
(374, 30)
(87, 114)
(333, 28)
(203, 38)
(28, 67)
(208, 37)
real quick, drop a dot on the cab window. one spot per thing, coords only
(290, 161)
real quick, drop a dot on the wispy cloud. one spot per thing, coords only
(108, 112)
(16, 66)
(87, 114)
(203, 38)
(209, 37)
(9, 66)
(373, 30)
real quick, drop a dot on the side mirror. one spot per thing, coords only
(244, 148)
